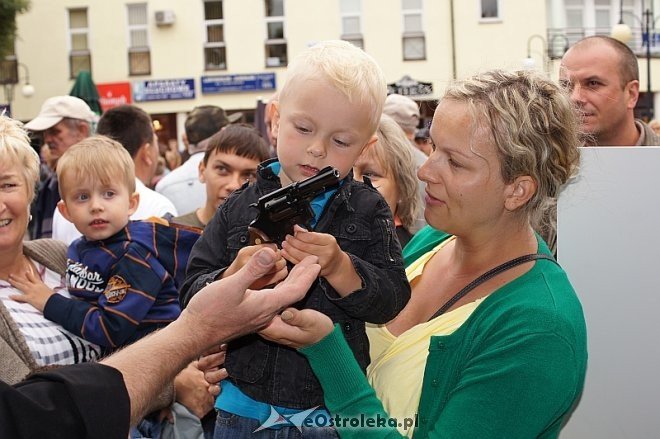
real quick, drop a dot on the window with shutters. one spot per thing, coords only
(276, 47)
(139, 52)
(215, 56)
(80, 57)
(413, 38)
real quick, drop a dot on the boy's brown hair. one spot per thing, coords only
(99, 158)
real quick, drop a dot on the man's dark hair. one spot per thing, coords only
(127, 124)
(628, 67)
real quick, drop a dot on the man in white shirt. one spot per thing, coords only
(182, 185)
(130, 126)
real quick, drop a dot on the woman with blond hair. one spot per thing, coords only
(27, 339)
(390, 166)
(492, 343)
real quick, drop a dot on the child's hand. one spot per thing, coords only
(275, 275)
(192, 390)
(322, 245)
(336, 266)
(35, 292)
(298, 328)
(212, 365)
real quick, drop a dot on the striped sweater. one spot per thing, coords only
(125, 286)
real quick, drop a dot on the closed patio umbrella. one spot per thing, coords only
(85, 89)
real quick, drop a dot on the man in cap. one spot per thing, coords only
(63, 122)
(182, 185)
(405, 113)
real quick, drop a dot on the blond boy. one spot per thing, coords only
(122, 275)
(326, 114)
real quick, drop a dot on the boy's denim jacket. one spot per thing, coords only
(361, 221)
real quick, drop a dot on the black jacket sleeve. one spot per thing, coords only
(385, 289)
(80, 401)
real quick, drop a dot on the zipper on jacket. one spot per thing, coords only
(388, 231)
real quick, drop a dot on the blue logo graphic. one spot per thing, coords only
(277, 419)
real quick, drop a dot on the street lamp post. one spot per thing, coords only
(529, 63)
(549, 51)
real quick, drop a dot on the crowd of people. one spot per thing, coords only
(423, 287)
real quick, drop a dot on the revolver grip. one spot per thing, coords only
(258, 237)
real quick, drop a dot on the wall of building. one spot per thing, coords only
(177, 50)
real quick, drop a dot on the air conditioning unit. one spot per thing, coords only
(165, 17)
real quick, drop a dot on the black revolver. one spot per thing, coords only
(280, 210)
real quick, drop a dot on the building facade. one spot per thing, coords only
(168, 56)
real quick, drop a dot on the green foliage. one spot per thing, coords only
(8, 11)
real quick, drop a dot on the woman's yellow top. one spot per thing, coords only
(397, 364)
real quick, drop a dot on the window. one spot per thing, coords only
(351, 24)
(603, 16)
(79, 55)
(275, 38)
(139, 54)
(575, 20)
(215, 57)
(490, 10)
(413, 39)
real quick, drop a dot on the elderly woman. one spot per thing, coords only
(27, 339)
(493, 340)
(390, 165)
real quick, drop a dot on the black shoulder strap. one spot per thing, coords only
(489, 275)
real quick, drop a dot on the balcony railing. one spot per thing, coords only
(560, 39)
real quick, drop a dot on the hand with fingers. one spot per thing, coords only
(322, 245)
(336, 265)
(228, 308)
(211, 365)
(278, 272)
(35, 292)
(298, 328)
(192, 390)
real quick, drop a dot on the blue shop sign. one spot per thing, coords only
(163, 89)
(237, 83)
